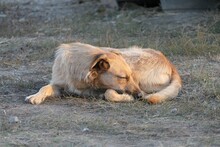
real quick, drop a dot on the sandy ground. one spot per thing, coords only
(30, 31)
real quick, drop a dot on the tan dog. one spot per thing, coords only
(84, 70)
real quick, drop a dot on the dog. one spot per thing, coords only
(118, 74)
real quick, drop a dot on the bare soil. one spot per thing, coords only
(30, 30)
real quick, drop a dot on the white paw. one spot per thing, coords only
(34, 99)
(113, 96)
(27, 98)
(127, 98)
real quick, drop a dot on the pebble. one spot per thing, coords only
(3, 15)
(85, 130)
(174, 110)
(13, 119)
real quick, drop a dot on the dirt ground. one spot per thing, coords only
(30, 30)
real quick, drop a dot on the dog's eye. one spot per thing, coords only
(123, 77)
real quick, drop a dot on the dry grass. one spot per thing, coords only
(27, 46)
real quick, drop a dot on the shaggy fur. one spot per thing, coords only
(83, 69)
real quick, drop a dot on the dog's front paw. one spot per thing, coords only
(34, 99)
(113, 96)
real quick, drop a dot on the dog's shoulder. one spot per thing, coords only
(135, 51)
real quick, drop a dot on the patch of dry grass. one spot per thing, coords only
(193, 46)
(16, 52)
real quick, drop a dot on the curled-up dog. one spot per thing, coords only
(86, 70)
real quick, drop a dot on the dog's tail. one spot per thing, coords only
(169, 92)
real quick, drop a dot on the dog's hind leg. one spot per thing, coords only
(45, 92)
(112, 96)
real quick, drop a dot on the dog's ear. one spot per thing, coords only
(100, 64)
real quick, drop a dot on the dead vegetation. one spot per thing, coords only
(29, 34)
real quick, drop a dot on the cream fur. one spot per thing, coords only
(83, 69)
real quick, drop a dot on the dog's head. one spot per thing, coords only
(110, 71)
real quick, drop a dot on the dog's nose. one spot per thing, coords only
(138, 95)
(136, 91)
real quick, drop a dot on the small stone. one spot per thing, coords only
(110, 4)
(3, 15)
(85, 130)
(13, 119)
(22, 20)
(174, 110)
